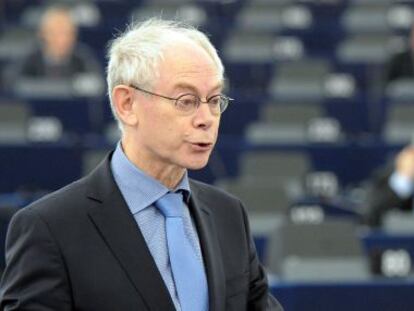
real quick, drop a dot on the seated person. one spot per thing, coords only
(392, 189)
(401, 64)
(58, 56)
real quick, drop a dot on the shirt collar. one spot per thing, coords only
(139, 189)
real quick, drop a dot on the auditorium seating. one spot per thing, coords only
(283, 122)
(328, 251)
(14, 116)
(311, 120)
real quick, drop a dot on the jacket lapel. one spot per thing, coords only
(118, 228)
(210, 247)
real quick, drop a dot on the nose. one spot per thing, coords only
(203, 118)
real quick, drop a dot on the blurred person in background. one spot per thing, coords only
(401, 64)
(137, 233)
(59, 55)
(391, 188)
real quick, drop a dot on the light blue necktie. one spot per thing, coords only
(187, 269)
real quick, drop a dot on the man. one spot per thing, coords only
(58, 56)
(392, 189)
(401, 64)
(103, 242)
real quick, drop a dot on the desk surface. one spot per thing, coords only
(378, 295)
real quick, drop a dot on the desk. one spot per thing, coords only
(374, 244)
(375, 295)
(377, 240)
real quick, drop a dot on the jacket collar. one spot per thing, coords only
(115, 223)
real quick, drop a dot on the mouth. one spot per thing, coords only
(201, 146)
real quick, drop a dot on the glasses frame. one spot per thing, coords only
(199, 102)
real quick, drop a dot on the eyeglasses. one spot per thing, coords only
(189, 103)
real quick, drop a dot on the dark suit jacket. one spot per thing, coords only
(81, 249)
(401, 65)
(79, 62)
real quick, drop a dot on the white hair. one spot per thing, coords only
(134, 56)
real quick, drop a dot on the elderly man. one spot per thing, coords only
(391, 189)
(137, 233)
(401, 63)
(58, 55)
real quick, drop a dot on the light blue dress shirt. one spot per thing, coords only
(402, 186)
(140, 191)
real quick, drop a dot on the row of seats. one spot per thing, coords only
(304, 131)
(268, 122)
(307, 101)
(265, 19)
(302, 78)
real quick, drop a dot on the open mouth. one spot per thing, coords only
(202, 146)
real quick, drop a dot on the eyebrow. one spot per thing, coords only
(187, 86)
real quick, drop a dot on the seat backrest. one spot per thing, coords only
(185, 11)
(249, 47)
(303, 69)
(298, 113)
(259, 196)
(325, 269)
(368, 49)
(274, 164)
(260, 17)
(398, 222)
(274, 16)
(13, 121)
(366, 18)
(401, 113)
(15, 44)
(300, 80)
(309, 245)
(399, 127)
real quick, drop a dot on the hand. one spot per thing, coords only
(404, 163)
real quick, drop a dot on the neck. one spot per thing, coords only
(167, 174)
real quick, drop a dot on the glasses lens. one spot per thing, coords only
(224, 102)
(217, 103)
(187, 103)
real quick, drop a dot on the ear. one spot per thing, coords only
(123, 101)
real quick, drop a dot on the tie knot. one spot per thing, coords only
(171, 204)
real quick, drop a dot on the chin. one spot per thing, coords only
(196, 165)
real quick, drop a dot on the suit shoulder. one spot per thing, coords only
(401, 57)
(61, 200)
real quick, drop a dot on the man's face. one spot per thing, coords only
(166, 137)
(58, 34)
